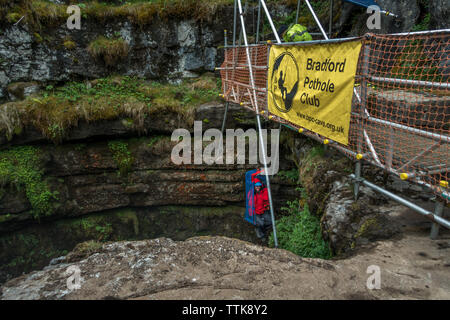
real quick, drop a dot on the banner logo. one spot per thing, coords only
(284, 64)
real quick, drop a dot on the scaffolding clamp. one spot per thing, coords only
(404, 176)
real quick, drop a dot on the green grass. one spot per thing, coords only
(424, 24)
(291, 175)
(69, 44)
(299, 232)
(19, 167)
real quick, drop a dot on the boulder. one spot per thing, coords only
(347, 223)
(21, 90)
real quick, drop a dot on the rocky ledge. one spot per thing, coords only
(223, 268)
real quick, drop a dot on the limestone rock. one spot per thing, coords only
(439, 11)
(89, 180)
(356, 17)
(347, 223)
(21, 90)
(223, 268)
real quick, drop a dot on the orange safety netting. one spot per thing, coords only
(235, 75)
(400, 112)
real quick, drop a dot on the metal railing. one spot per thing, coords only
(401, 127)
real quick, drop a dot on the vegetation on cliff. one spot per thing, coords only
(299, 227)
(142, 12)
(19, 167)
(39, 13)
(122, 156)
(299, 232)
(57, 109)
(108, 50)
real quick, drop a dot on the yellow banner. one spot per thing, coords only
(312, 86)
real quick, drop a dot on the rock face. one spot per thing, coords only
(408, 12)
(164, 49)
(439, 12)
(112, 184)
(162, 122)
(161, 50)
(223, 268)
(92, 176)
(347, 223)
(20, 90)
(88, 180)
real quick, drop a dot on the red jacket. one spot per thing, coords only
(261, 199)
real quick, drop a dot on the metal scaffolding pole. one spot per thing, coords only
(274, 30)
(259, 20)
(227, 104)
(234, 23)
(298, 11)
(258, 120)
(225, 86)
(435, 227)
(316, 19)
(436, 218)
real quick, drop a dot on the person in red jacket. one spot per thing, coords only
(263, 219)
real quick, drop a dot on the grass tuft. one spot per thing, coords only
(110, 51)
(69, 44)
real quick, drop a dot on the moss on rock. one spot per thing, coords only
(83, 250)
(370, 223)
(22, 168)
(122, 156)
